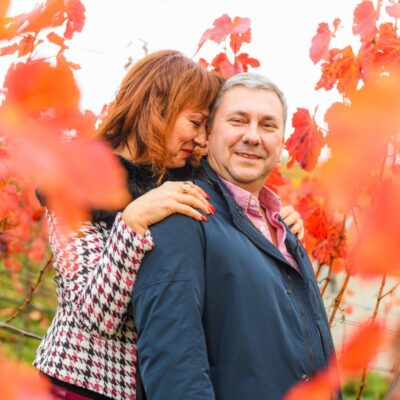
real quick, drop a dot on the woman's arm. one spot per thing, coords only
(96, 271)
(97, 267)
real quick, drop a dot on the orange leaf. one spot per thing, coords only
(358, 132)
(360, 349)
(387, 51)
(240, 33)
(378, 249)
(4, 6)
(306, 142)
(365, 17)
(46, 15)
(20, 382)
(320, 387)
(56, 39)
(343, 68)
(26, 45)
(48, 87)
(358, 352)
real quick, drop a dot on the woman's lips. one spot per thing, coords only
(187, 152)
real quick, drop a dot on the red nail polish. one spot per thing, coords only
(208, 196)
(214, 210)
(204, 218)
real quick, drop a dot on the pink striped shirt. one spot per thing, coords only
(259, 211)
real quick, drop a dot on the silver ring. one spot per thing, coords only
(186, 187)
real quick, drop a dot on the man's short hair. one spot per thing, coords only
(249, 80)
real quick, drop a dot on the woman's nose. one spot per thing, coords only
(201, 138)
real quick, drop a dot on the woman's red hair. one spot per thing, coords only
(152, 95)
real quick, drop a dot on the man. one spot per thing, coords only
(229, 309)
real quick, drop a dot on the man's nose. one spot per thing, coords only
(251, 134)
(201, 138)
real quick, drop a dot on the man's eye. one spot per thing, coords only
(237, 121)
(268, 125)
(196, 123)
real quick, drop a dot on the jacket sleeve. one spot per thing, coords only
(96, 270)
(168, 306)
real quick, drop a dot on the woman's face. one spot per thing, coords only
(188, 132)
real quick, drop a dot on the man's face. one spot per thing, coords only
(246, 139)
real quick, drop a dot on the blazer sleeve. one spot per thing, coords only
(168, 301)
(96, 270)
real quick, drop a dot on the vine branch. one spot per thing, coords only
(28, 299)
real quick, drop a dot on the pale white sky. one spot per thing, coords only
(281, 38)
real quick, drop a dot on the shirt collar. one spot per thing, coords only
(267, 199)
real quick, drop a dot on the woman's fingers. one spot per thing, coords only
(286, 211)
(184, 209)
(292, 218)
(191, 188)
(195, 202)
(298, 229)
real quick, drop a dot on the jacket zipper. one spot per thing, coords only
(306, 328)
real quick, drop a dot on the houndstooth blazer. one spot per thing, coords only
(91, 340)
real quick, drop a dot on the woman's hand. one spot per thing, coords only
(293, 220)
(167, 199)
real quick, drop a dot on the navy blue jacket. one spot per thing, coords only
(221, 314)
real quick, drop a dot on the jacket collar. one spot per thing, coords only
(243, 223)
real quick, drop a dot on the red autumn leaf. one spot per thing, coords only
(343, 68)
(26, 45)
(241, 32)
(306, 142)
(223, 66)
(360, 349)
(237, 41)
(365, 17)
(76, 18)
(245, 61)
(387, 52)
(358, 352)
(56, 39)
(275, 180)
(393, 10)
(11, 49)
(320, 43)
(222, 27)
(48, 87)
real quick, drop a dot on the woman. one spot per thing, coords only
(155, 125)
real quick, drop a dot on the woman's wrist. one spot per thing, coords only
(137, 225)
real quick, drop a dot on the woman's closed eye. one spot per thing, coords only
(196, 123)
